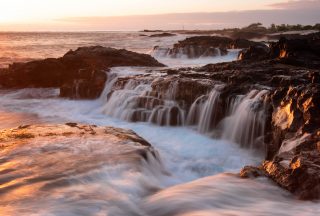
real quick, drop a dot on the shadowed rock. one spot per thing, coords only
(206, 46)
(163, 35)
(79, 73)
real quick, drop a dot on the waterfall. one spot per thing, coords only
(241, 119)
(204, 111)
(137, 101)
(192, 52)
(246, 123)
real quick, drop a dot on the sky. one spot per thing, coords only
(30, 15)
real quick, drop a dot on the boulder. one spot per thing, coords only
(300, 173)
(255, 52)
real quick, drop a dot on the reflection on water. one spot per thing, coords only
(11, 119)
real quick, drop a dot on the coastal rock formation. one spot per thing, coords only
(299, 52)
(79, 73)
(268, 101)
(28, 133)
(302, 51)
(255, 52)
(165, 34)
(298, 172)
(204, 46)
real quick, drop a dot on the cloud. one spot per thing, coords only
(297, 5)
(202, 21)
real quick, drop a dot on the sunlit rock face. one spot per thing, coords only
(296, 111)
(51, 169)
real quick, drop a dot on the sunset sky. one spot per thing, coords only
(113, 14)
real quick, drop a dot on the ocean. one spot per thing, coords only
(194, 174)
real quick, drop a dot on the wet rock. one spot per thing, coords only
(205, 46)
(98, 57)
(241, 43)
(296, 109)
(85, 87)
(14, 136)
(251, 172)
(79, 73)
(257, 52)
(201, 46)
(299, 52)
(299, 174)
(184, 90)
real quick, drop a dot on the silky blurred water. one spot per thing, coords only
(188, 176)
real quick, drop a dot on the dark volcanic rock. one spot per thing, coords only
(89, 84)
(295, 110)
(186, 90)
(256, 52)
(80, 73)
(300, 174)
(248, 35)
(203, 46)
(165, 34)
(300, 52)
(251, 172)
(98, 57)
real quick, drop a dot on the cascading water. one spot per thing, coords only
(204, 111)
(76, 176)
(245, 116)
(246, 123)
(186, 52)
(136, 101)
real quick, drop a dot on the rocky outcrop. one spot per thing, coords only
(302, 51)
(291, 109)
(88, 85)
(299, 173)
(256, 52)
(165, 34)
(206, 46)
(27, 133)
(79, 73)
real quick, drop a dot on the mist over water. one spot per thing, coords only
(187, 172)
